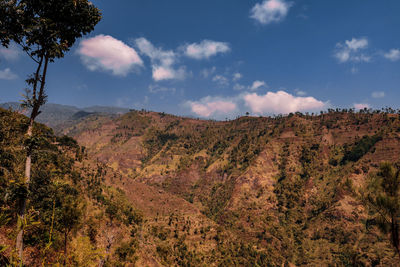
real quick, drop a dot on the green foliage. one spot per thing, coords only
(241, 254)
(360, 148)
(84, 253)
(67, 141)
(382, 196)
(156, 140)
(219, 196)
(244, 153)
(289, 191)
(118, 208)
(126, 251)
(58, 192)
(47, 27)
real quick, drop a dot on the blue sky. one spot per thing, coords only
(222, 58)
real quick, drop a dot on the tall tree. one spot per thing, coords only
(382, 196)
(46, 30)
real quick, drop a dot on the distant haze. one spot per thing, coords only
(55, 114)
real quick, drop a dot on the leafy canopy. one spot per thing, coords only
(46, 28)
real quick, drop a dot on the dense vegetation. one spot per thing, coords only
(66, 201)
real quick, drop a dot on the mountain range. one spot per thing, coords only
(254, 191)
(55, 115)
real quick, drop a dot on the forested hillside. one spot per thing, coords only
(153, 189)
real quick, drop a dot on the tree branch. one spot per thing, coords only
(36, 79)
(24, 48)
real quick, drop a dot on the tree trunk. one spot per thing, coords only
(37, 100)
(22, 205)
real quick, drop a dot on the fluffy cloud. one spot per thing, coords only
(361, 106)
(257, 84)
(393, 55)
(165, 58)
(378, 94)
(162, 61)
(10, 53)
(356, 44)
(270, 11)
(212, 106)
(221, 80)
(103, 52)
(281, 102)
(350, 51)
(168, 73)
(205, 49)
(7, 74)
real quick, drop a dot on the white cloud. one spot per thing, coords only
(393, 55)
(361, 106)
(162, 61)
(343, 55)
(237, 76)
(154, 89)
(10, 53)
(254, 86)
(378, 94)
(205, 49)
(221, 80)
(257, 84)
(103, 52)
(157, 54)
(209, 106)
(356, 44)
(281, 102)
(7, 74)
(350, 51)
(270, 11)
(168, 73)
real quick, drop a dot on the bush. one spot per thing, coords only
(125, 251)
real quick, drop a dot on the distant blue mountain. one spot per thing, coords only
(54, 115)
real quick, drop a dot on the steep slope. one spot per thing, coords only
(83, 212)
(70, 211)
(286, 187)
